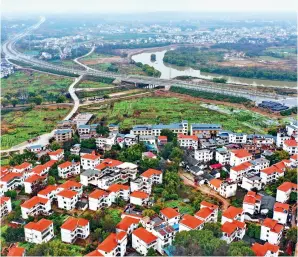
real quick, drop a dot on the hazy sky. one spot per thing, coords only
(129, 6)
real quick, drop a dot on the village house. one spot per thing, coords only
(203, 155)
(56, 155)
(15, 251)
(75, 149)
(99, 199)
(71, 185)
(205, 130)
(106, 142)
(63, 135)
(129, 140)
(119, 191)
(284, 191)
(239, 156)
(259, 140)
(189, 222)
(233, 230)
(11, 180)
(237, 138)
(143, 240)
(154, 175)
(252, 203)
(165, 237)
(48, 193)
(68, 169)
(290, 146)
(226, 188)
(90, 161)
(237, 172)
(223, 156)
(67, 199)
(36, 148)
(272, 173)
(232, 213)
(208, 212)
(266, 250)
(35, 182)
(5, 206)
(162, 140)
(170, 215)
(250, 181)
(39, 232)
(74, 228)
(127, 225)
(35, 206)
(25, 166)
(271, 231)
(113, 245)
(149, 155)
(139, 198)
(188, 141)
(280, 212)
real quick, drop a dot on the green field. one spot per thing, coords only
(95, 56)
(19, 126)
(67, 63)
(92, 84)
(31, 82)
(153, 110)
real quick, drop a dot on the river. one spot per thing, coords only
(169, 71)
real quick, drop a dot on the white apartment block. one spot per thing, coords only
(272, 173)
(67, 199)
(232, 213)
(35, 206)
(39, 232)
(5, 206)
(188, 141)
(252, 203)
(203, 155)
(284, 191)
(143, 240)
(237, 138)
(233, 230)
(57, 155)
(73, 229)
(90, 161)
(99, 199)
(68, 169)
(239, 156)
(271, 231)
(223, 156)
(280, 212)
(139, 198)
(251, 181)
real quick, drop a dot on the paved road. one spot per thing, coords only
(188, 180)
(76, 60)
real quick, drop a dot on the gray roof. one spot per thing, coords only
(90, 172)
(206, 126)
(62, 131)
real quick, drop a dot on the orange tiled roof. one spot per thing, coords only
(4, 199)
(294, 157)
(242, 166)
(16, 251)
(209, 205)
(281, 207)
(47, 190)
(232, 212)
(91, 156)
(169, 213)
(39, 169)
(291, 143)
(34, 201)
(70, 184)
(57, 152)
(144, 235)
(110, 243)
(94, 253)
(126, 222)
(40, 225)
(117, 187)
(139, 194)
(50, 163)
(181, 136)
(108, 163)
(191, 221)
(72, 223)
(273, 225)
(241, 153)
(231, 227)
(162, 138)
(251, 197)
(215, 182)
(23, 166)
(34, 178)
(67, 193)
(261, 250)
(286, 186)
(10, 176)
(204, 213)
(97, 194)
(64, 165)
(150, 172)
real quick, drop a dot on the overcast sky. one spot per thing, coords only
(130, 6)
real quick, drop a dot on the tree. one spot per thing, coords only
(17, 159)
(4, 102)
(215, 228)
(148, 212)
(278, 156)
(88, 143)
(14, 235)
(240, 248)
(151, 252)
(12, 194)
(253, 230)
(44, 158)
(55, 146)
(102, 130)
(14, 102)
(61, 99)
(51, 180)
(168, 133)
(148, 163)
(37, 100)
(292, 234)
(293, 197)
(133, 153)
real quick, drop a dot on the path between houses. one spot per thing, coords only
(188, 180)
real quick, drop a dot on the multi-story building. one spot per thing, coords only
(113, 245)
(35, 206)
(143, 240)
(48, 193)
(63, 135)
(203, 155)
(25, 166)
(119, 191)
(252, 203)
(188, 141)
(90, 161)
(5, 206)
(39, 232)
(272, 173)
(205, 130)
(232, 213)
(162, 140)
(250, 181)
(99, 199)
(280, 212)
(284, 191)
(57, 155)
(233, 230)
(67, 199)
(290, 146)
(226, 188)
(223, 156)
(189, 222)
(154, 175)
(74, 228)
(69, 169)
(266, 250)
(237, 172)
(237, 138)
(260, 140)
(139, 198)
(165, 237)
(35, 183)
(239, 156)
(107, 142)
(127, 225)
(208, 212)
(11, 180)
(71, 185)
(170, 215)
(271, 231)
(15, 251)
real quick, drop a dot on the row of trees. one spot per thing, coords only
(150, 71)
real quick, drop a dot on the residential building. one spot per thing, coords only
(226, 188)
(99, 199)
(154, 175)
(237, 138)
(69, 169)
(280, 212)
(113, 245)
(233, 230)
(208, 212)
(119, 191)
(205, 130)
(271, 231)
(139, 198)
(290, 146)
(130, 139)
(67, 199)
(74, 228)
(35, 183)
(232, 213)
(162, 140)
(143, 240)
(260, 164)
(36, 148)
(223, 156)
(63, 135)
(237, 172)
(39, 232)
(165, 237)
(75, 150)
(90, 161)
(11, 180)
(203, 155)
(25, 166)
(48, 193)
(284, 191)
(106, 142)
(266, 250)
(189, 222)
(15, 251)
(272, 173)
(5, 206)
(251, 181)
(294, 160)
(239, 156)
(127, 225)
(252, 203)
(35, 206)
(56, 155)
(260, 140)
(188, 141)
(170, 215)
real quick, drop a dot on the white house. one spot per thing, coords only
(272, 173)
(237, 138)
(203, 155)
(113, 245)
(154, 175)
(68, 169)
(233, 230)
(266, 250)
(170, 215)
(119, 191)
(139, 198)
(90, 161)
(99, 199)
(16, 251)
(271, 231)
(165, 237)
(294, 160)
(11, 180)
(284, 191)
(39, 232)
(56, 155)
(25, 166)
(223, 156)
(280, 212)
(67, 199)
(49, 192)
(106, 143)
(127, 224)
(189, 222)
(251, 181)
(35, 206)
(239, 156)
(252, 203)
(71, 185)
(143, 240)
(290, 146)
(74, 228)
(232, 213)
(188, 141)
(208, 212)
(237, 172)
(226, 188)
(34, 182)
(5, 206)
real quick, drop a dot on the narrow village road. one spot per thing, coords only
(76, 60)
(189, 181)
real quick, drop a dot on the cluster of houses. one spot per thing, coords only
(113, 180)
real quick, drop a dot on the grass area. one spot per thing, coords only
(31, 82)
(153, 110)
(92, 84)
(100, 66)
(115, 214)
(66, 63)
(95, 56)
(19, 126)
(184, 208)
(3, 230)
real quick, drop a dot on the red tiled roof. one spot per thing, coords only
(47, 190)
(34, 201)
(144, 235)
(70, 184)
(181, 136)
(126, 222)
(94, 253)
(98, 193)
(286, 186)
(272, 169)
(204, 213)
(215, 182)
(261, 250)
(64, 165)
(242, 166)
(91, 156)
(251, 197)
(291, 143)
(4, 199)
(34, 178)
(231, 227)
(16, 251)
(50, 163)
(72, 223)
(10, 176)
(294, 157)
(150, 172)
(169, 213)
(232, 212)
(110, 243)
(67, 193)
(281, 207)
(209, 205)
(241, 153)
(139, 194)
(39, 169)
(107, 163)
(191, 221)
(40, 225)
(117, 187)
(162, 138)
(273, 225)
(57, 152)
(23, 166)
